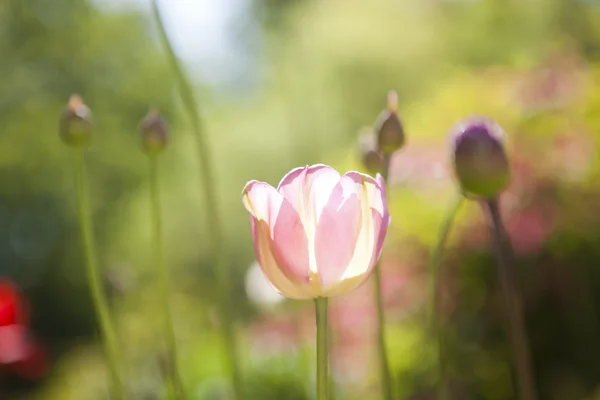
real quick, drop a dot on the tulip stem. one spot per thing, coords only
(209, 190)
(435, 322)
(514, 311)
(93, 274)
(164, 280)
(322, 349)
(384, 365)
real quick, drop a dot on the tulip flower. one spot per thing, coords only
(318, 234)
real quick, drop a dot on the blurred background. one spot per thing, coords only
(284, 83)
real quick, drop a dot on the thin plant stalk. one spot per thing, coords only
(164, 281)
(386, 376)
(514, 310)
(208, 186)
(322, 349)
(435, 322)
(93, 275)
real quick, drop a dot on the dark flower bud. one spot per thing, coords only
(480, 161)
(76, 123)
(155, 133)
(371, 158)
(389, 130)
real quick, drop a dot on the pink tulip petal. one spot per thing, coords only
(293, 188)
(271, 269)
(288, 242)
(337, 231)
(322, 182)
(374, 224)
(379, 230)
(308, 189)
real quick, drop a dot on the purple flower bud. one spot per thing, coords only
(76, 123)
(480, 162)
(155, 133)
(388, 128)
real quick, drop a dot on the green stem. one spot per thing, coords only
(514, 310)
(209, 190)
(435, 322)
(164, 280)
(386, 376)
(384, 365)
(322, 349)
(93, 274)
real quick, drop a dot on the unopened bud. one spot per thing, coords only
(389, 130)
(155, 133)
(480, 162)
(371, 158)
(76, 123)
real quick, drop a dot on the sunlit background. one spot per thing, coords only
(281, 84)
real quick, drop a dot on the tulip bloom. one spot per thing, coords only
(318, 234)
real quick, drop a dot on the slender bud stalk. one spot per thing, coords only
(390, 138)
(384, 365)
(93, 274)
(514, 311)
(209, 190)
(164, 282)
(435, 322)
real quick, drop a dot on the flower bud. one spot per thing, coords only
(155, 133)
(370, 156)
(480, 161)
(76, 123)
(389, 130)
